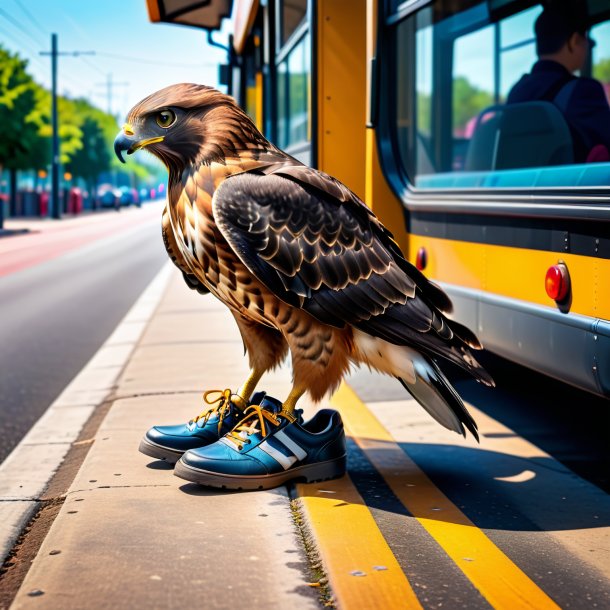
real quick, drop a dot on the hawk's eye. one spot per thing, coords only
(166, 118)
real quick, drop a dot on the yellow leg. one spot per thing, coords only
(291, 402)
(247, 388)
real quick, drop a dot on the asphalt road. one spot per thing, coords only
(54, 316)
(548, 521)
(571, 425)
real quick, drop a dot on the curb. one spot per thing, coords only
(26, 472)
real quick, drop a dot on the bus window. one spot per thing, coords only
(423, 101)
(517, 47)
(249, 95)
(292, 14)
(472, 89)
(455, 65)
(293, 81)
(601, 55)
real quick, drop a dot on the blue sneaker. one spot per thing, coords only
(170, 442)
(268, 448)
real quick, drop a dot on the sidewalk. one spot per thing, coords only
(130, 534)
(424, 519)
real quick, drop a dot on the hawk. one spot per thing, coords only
(304, 266)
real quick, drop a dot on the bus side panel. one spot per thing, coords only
(602, 354)
(499, 291)
(517, 273)
(341, 82)
(380, 198)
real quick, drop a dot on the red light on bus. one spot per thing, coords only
(557, 282)
(421, 259)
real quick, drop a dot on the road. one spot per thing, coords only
(63, 290)
(464, 519)
(571, 425)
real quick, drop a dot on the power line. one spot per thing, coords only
(92, 65)
(18, 25)
(33, 55)
(31, 18)
(20, 45)
(109, 84)
(25, 52)
(157, 62)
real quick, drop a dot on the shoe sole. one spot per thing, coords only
(171, 456)
(309, 473)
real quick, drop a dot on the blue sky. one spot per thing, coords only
(122, 36)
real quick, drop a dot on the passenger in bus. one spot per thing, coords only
(562, 46)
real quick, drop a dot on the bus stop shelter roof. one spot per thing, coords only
(206, 14)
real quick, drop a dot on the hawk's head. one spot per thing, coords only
(188, 124)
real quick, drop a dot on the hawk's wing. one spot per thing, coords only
(315, 245)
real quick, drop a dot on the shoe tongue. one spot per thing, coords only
(271, 404)
(275, 406)
(257, 398)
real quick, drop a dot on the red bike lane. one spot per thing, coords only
(48, 239)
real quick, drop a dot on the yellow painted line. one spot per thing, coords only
(498, 579)
(348, 541)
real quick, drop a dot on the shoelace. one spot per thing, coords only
(254, 415)
(222, 402)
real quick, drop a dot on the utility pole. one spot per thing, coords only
(109, 84)
(55, 209)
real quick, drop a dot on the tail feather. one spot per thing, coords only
(434, 392)
(465, 334)
(420, 376)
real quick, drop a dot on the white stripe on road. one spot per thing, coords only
(26, 472)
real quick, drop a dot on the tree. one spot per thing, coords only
(468, 101)
(98, 132)
(601, 71)
(94, 157)
(70, 134)
(18, 118)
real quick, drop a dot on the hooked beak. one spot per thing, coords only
(127, 141)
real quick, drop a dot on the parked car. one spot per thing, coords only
(144, 194)
(129, 196)
(109, 197)
(74, 201)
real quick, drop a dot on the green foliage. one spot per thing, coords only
(70, 134)
(98, 130)
(18, 112)
(94, 156)
(601, 71)
(424, 113)
(86, 133)
(468, 101)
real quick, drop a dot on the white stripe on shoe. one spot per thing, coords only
(285, 461)
(281, 436)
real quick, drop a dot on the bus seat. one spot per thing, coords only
(480, 155)
(423, 158)
(531, 134)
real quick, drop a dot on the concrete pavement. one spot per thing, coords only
(424, 519)
(130, 534)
